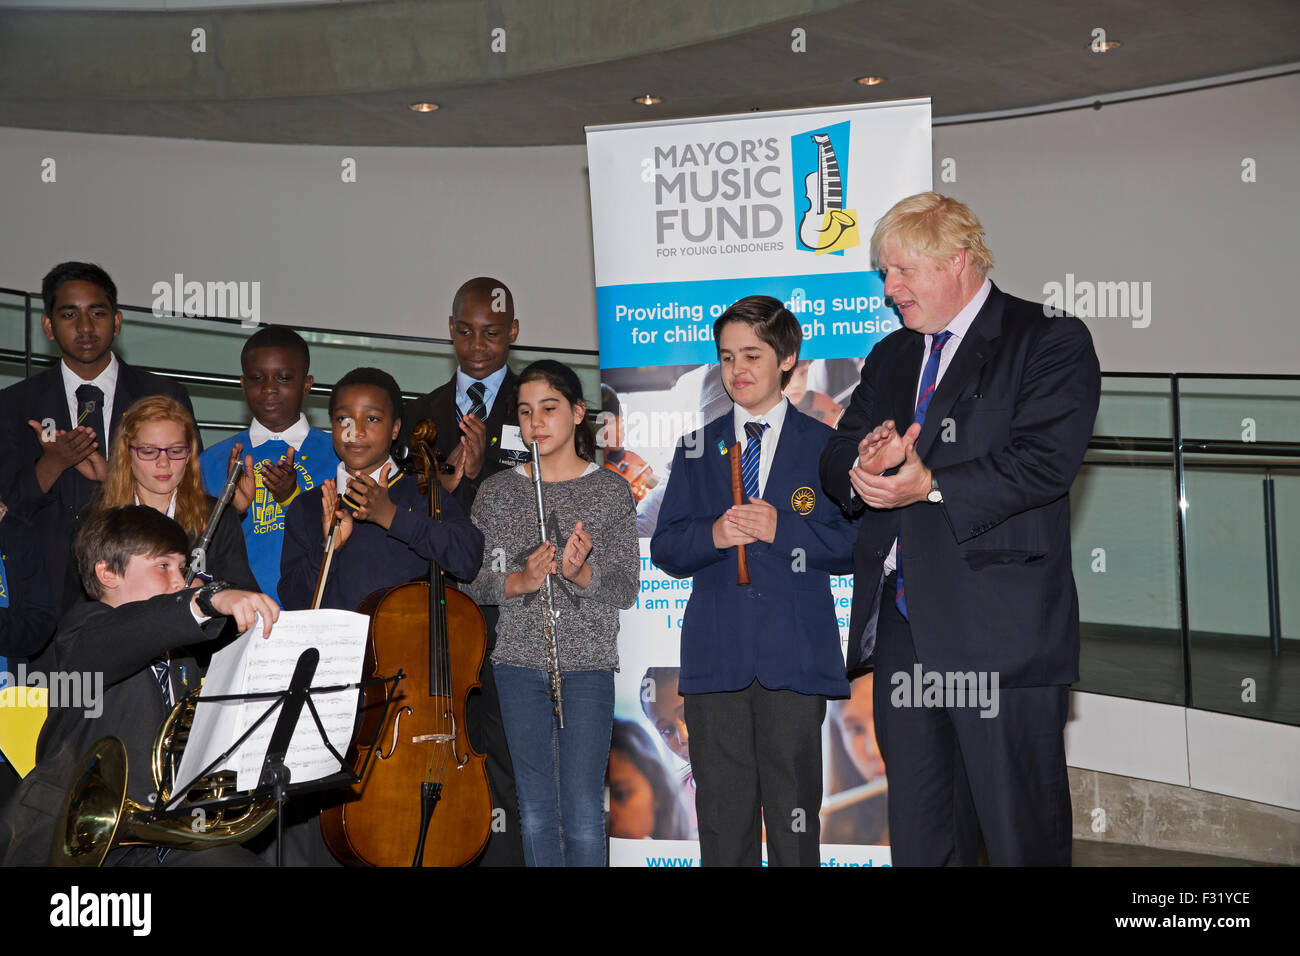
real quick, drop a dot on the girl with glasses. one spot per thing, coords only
(152, 462)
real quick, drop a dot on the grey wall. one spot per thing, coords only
(1151, 191)
(382, 254)
(1147, 191)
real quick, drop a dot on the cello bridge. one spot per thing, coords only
(433, 738)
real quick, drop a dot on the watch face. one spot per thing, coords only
(935, 496)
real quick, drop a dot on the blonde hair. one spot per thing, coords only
(935, 226)
(118, 489)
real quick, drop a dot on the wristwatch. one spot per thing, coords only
(935, 496)
(203, 597)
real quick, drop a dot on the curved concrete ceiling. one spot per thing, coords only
(345, 73)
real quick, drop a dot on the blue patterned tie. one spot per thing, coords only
(477, 392)
(929, 378)
(162, 674)
(750, 456)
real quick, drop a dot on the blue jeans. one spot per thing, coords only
(559, 774)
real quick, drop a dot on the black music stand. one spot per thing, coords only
(275, 777)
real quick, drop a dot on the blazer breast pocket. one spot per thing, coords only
(977, 422)
(978, 560)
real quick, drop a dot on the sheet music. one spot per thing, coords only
(254, 665)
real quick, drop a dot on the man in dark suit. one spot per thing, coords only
(57, 427)
(964, 600)
(758, 661)
(478, 436)
(118, 645)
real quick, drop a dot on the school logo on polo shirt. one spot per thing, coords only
(268, 514)
(803, 500)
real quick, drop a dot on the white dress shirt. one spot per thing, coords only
(105, 381)
(294, 435)
(775, 418)
(959, 326)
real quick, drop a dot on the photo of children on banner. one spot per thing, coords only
(665, 709)
(647, 410)
(645, 799)
(855, 809)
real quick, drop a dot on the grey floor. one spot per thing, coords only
(1093, 853)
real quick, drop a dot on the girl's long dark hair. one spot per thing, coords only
(565, 381)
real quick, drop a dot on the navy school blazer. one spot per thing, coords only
(781, 629)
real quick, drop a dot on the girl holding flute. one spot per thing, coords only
(592, 560)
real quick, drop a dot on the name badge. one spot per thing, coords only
(512, 439)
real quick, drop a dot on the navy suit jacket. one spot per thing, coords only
(54, 513)
(988, 574)
(782, 628)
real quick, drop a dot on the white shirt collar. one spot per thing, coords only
(385, 470)
(294, 435)
(775, 418)
(961, 323)
(171, 505)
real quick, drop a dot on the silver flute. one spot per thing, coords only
(199, 555)
(549, 615)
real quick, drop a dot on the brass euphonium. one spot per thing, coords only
(97, 815)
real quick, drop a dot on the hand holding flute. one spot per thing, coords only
(550, 618)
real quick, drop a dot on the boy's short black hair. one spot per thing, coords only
(116, 534)
(277, 337)
(483, 287)
(771, 321)
(76, 272)
(370, 376)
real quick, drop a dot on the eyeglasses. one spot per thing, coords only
(151, 452)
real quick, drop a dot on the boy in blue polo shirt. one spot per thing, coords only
(282, 453)
(758, 661)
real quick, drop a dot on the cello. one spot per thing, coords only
(424, 802)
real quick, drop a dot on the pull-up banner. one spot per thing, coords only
(687, 217)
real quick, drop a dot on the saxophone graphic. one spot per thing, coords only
(826, 220)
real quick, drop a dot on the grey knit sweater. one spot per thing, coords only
(505, 510)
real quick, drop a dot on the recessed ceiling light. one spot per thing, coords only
(424, 107)
(646, 99)
(1104, 47)
(871, 80)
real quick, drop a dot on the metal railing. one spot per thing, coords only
(1181, 453)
